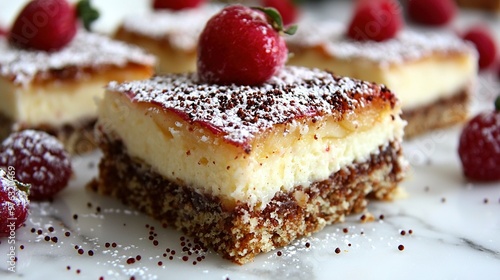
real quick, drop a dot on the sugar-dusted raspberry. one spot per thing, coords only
(39, 160)
(432, 12)
(479, 146)
(484, 42)
(14, 203)
(176, 4)
(288, 9)
(242, 45)
(375, 20)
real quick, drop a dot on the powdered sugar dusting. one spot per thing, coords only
(86, 50)
(241, 111)
(409, 44)
(180, 28)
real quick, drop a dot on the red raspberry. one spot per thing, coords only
(287, 8)
(39, 159)
(3, 32)
(485, 44)
(14, 203)
(176, 4)
(375, 20)
(479, 147)
(49, 25)
(240, 45)
(432, 12)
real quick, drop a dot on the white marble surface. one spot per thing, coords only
(455, 228)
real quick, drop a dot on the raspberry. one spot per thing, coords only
(14, 203)
(39, 160)
(176, 4)
(479, 146)
(49, 25)
(3, 32)
(240, 45)
(375, 20)
(432, 12)
(485, 44)
(287, 8)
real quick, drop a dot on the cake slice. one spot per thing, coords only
(171, 35)
(432, 73)
(248, 169)
(56, 91)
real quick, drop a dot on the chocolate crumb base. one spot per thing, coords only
(77, 138)
(443, 113)
(241, 233)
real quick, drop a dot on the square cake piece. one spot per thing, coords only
(248, 169)
(431, 72)
(172, 36)
(56, 91)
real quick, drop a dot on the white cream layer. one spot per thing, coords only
(298, 154)
(55, 105)
(58, 103)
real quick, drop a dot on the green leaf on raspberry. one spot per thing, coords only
(497, 104)
(277, 21)
(23, 187)
(87, 13)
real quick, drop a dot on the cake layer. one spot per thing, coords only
(171, 59)
(172, 36)
(245, 144)
(239, 234)
(62, 100)
(442, 113)
(419, 66)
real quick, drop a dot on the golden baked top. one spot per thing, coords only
(239, 112)
(409, 44)
(87, 50)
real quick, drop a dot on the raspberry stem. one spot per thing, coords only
(86, 13)
(277, 21)
(23, 187)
